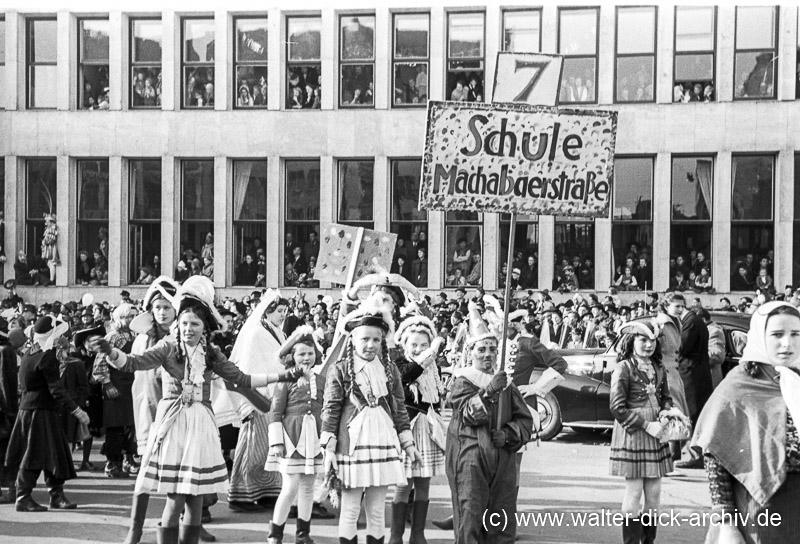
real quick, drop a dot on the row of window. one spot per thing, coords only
(695, 44)
(752, 215)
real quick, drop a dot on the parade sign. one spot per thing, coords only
(518, 158)
(348, 253)
(528, 78)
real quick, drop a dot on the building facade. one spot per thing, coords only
(146, 131)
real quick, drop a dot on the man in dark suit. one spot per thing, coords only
(311, 248)
(298, 261)
(288, 248)
(419, 269)
(29, 271)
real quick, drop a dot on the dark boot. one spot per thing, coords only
(205, 536)
(399, 511)
(189, 534)
(138, 515)
(25, 503)
(374, 540)
(444, 524)
(275, 535)
(303, 534)
(418, 518)
(9, 497)
(167, 535)
(632, 531)
(59, 501)
(353, 540)
(649, 533)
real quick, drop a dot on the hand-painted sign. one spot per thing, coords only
(348, 253)
(528, 78)
(516, 157)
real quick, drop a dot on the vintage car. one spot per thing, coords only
(581, 400)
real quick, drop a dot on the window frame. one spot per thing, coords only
(251, 63)
(30, 64)
(481, 59)
(504, 12)
(618, 55)
(290, 64)
(410, 60)
(596, 55)
(359, 62)
(713, 51)
(367, 224)
(774, 157)
(286, 222)
(134, 65)
(776, 13)
(184, 64)
(3, 64)
(704, 223)
(82, 63)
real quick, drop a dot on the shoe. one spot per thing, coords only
(206, 516)
(293, 512)
(114, 470)
(10, 497)
(86, 465)
(399, 511)
(374, 540)
(318, 511)
(267, 503)
(59, 501)
(690, 463)
(241, 506)
(444, 524)
(130, 466)
(27, 504)
(138, 516)
(205, 536)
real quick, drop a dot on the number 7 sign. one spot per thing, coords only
(529, 78)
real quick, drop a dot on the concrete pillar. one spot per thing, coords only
(787, 54)
(329, 58)
(383, 54)
(117, 222)
(276, 59)
(549, 31)
(436, 70)
(14, 65)
(494, 24)
(117, 66)
(223, 71)
(492, 253)
(382, 194)
(327, 199)
(67, 200)
(726, 36)
(662, 216)
(436, 250)
(170, 213)
(276, 195)
(784, 218)
(721, 215)
(223, 225)
(603, 252)
(67, 59)
(170, 69)
(14, 212)
(547, 250)
(665, 56)
(605, 65)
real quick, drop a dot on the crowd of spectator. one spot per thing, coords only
(468, 88)
(304, 89)
(147, 88)
(694, 92)
(200, 88)
(577, 89)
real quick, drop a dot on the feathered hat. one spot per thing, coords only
(649, 328)
(371, 314)
(164, 287)
(416, 323)
(198, 291)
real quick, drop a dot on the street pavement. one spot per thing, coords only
(568, 476)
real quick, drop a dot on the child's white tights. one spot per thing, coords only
(300, 486)
(374, 499)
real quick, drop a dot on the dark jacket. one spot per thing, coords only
(247, 274)
(533, 355)
(419, 273)
(693, 362)
(410, 371)
(628, 391)
(40, 382)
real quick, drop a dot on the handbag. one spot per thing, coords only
(676, 427)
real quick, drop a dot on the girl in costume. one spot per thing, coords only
(748, 433)
(183, 457)
(50, 245)
(421, 386)
(365, 425)
(295, 423)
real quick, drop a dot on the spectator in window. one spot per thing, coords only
(680, 264)
(258, 97)
(462, 256)
(627, 281)
(678, 281)
(475, 90)
(456, 279)
(400, 266)
(697, 93)
(311, 248)
(181, 272)
(289, 276)
(209, 95)
(146, 276)
(708, 93)
(208, 268)
(764, 281)
(460, 92)
(700, 263)
(245, 99)
(419, 269)
(317, 102)
(84, 268)
(247, 271)
(99, 272)
(196, 268)
(644, 274)
(299, 262)
(208, 248)
(677, 93)
(149, 94)
(529, 273)
(30, 271)
(703, 283)
(297, 98)
(476, 268)
(741, 280)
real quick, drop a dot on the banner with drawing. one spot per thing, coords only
(515, 157)
(348, 253)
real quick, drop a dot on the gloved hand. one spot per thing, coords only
(82, 416)
(98, 344)
(498, 383)
(109, 391)
(654, 429)
(499, 438)
(529, 390)
(292, 374)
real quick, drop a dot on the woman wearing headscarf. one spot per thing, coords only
(38, 443)
(256, 350)
(748, 434)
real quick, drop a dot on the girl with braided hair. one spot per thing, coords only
(183, 457)
(365, 425)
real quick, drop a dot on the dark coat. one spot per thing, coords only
(419, 273)
(410, 371)
(247, 274)
(533, 355)
(693, 363)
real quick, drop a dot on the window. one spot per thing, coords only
(752, 227)
(522, 31)
(636, 59)
(526, 250)
(40, 185)
(411, 59)
(249, 219)
(465, 57)
(145, 89)
(574, 245)
(462, 242)
(144, 236)
(303, 64)
(695, 45)
(756, 58)
(197, 215)
(357, 60)
(690, 232)
(577, 41)
(93, 239)
(251, 63)
(198, 63)
(356, 181)
(632, 222)
(2, 63)
(41, 63)
(302, 219)
(93, 64)
(409, 223)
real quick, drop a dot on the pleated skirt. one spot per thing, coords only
(637, 454)
(249, 480)
(375, 460)
(432, 455)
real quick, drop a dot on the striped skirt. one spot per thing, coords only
(432, 455)
(374, 456)
(183, 454)
(249, 481)
(637, 454)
